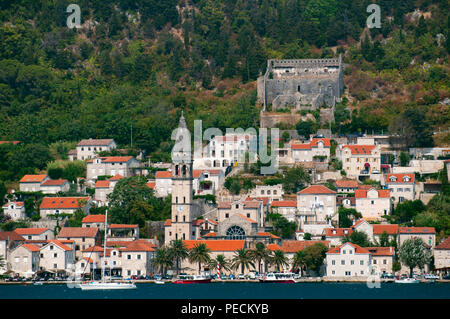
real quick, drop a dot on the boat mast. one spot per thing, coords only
(104, 248)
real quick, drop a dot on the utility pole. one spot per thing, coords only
(131, 137)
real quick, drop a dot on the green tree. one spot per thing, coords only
(312, 257)
(295, 178)
(279, 260)
(281, 226)
(358, 238)
(221, 261)
(260, 253)
(414, 253)
(178, 252)
(201, 254)
(242, 258)
(347, 216)
(163, 260)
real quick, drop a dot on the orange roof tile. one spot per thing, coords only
(292, 246)
(326, 142)
(116, 177)
(316, 189)
(391, 229)
(30, 231)
(342, 183)
(55, 182)
(93, 219)
(93, 249)
(168, 222)
(444, 245)
(265, 234)
(102, 184)
(60, 244)
(382, 193)
(337, 232)
(273, 247)
(163, 174)
(400, 178)
(70, 232)
(358, 249)
(381, 251)
(151, 185)
(33, 178)
(217, 245)
(63, 202)
(360, 149)
(284, 203)
(31, 247)
(95, 142)
(11, 236)
(18, 204)
(416, 230)
(211, 234)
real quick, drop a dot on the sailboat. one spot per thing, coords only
(103, 284)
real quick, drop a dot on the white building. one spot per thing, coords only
(373, 204)
(112, 165)
(163, 183)
(16, 210)
(32, 183)
(401, 186)
(316, 204)
(54, 186)
(87, 149)
(64, 205)
(360, 160)
(348, 260)
(36, 233)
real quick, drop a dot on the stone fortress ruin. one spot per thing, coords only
(302, 84)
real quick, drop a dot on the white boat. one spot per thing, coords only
(159, 282)
(100, 285)
(288, 278)
(103, 284)
(407, 281)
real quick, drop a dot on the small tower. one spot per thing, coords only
(182, 189)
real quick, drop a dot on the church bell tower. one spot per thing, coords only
(182, 189)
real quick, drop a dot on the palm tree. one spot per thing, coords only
(242, 258)
(178, 252)
(279, 259)
(163, 259)
(220, 261)
(260, 253)
(200, 253)
(299, 261)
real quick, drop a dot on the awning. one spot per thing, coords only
(385, 166)
(366, 165)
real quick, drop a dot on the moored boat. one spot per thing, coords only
(192, 279)
(287, 278)
(407, 281)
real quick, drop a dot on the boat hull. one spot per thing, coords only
(407, 281)
(107, 286)
(281, 281)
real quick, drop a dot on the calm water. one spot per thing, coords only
(236, 291)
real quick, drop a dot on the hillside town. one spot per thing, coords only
(335, 209)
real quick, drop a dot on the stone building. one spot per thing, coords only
(301, 83)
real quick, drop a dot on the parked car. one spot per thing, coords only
(157, 277)
(387, 276)
(231, 277)
(430, 276)
(241, 276)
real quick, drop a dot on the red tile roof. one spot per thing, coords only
(225, 205)
(416, 230)
(273, 247)
(11, 235)
(326, 142)
(211, 234)
(33, 178)
(63, 202)
(284, 203)
(316, 189)
(265, 200)
(70, 232)
(93, 219)
(151, 185)
(116, 159)
(382, 193)
(337, 232)
(358, 249)
(168, 222)
(391, 229)
(252, 204)
(381, 251)
(196, 173)
(265, 234)
(60, 244)
(163, 174)
(444, 245)
(360, 149)
(301, 146)
(31, 247)
(138, 246)
(217, 245)
(400, 178)
(116, 177)
(102, 184)
(12, 142)
(95, 142)
(18, 204)
(30, 231)
(292, 246)
(198, 222)
(54, 182)
(342, 183)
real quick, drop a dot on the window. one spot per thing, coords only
(347, 273)
(138, 257)
(362, 272)
(384, 262)
(374, 261)
(129, 257)
(51, 247)
(361, 262)
(227, 215)
(55, 266)
(342, 262)
(333, 272)
(55, 255)
(352, 262)
(333, 262)
(344, 251)
(248, 215)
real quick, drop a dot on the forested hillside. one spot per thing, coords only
(139, 63)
